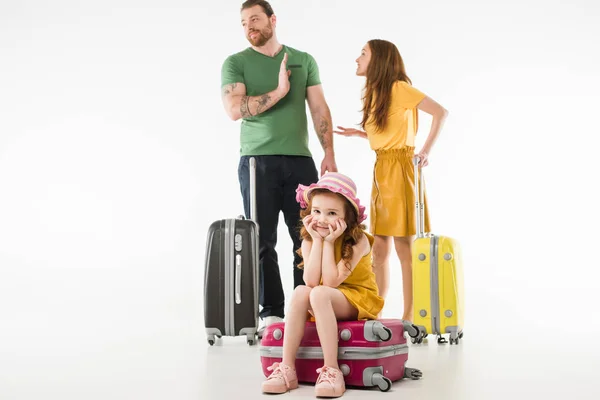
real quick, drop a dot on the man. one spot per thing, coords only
(266, 85)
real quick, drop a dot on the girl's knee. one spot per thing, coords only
(302, 289)
(319, 295)
(301, 292)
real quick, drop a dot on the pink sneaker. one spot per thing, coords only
(282, 379)
(330, 383)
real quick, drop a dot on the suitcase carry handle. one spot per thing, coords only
(419, 199)
(238, 279)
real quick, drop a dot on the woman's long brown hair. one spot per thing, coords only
(385, 68)
(350, 237)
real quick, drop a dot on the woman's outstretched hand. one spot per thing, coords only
(350, 132)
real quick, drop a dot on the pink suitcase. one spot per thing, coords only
(370, 353)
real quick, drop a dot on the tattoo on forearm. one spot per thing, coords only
(322, 131)
(227, 89)
(263, 103)
(244, 107)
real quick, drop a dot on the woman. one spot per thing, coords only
(390, 122)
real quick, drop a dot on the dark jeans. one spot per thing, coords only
(277, 178)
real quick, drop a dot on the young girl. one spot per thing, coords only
(390, 119)
(340, 283)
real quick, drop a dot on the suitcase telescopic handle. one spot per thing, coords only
(419, 199)
(253, 189)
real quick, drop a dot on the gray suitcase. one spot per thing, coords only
(231, 274)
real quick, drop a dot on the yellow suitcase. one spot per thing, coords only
(438, 294)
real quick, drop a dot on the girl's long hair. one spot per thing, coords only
(385, 68)
(350, 237)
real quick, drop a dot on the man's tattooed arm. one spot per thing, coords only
(240, 105)
(322, 121)
(251, 106)
(244, 109)
(322, 133)
(227, 89)
(321, 117)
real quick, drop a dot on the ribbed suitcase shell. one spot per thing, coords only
(231, 279)
(370, 353)
(438, 304)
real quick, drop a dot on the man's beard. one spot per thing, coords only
(263, 36)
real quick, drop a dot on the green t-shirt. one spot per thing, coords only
(282, 129)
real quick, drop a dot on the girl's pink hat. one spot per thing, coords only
(336, 183)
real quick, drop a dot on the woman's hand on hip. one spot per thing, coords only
(423, 158)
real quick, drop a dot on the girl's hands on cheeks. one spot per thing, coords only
(336, 230)
(309, 224)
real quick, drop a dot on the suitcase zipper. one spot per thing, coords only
(435, 298)
(344, 353)
(361, 353)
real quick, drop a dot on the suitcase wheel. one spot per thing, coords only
(211, 339)
(383, 383)
(384, 333)
(456, 340)
(413, 331)
(442, 340)
(413, 373)
(250, 339)
(420, 338)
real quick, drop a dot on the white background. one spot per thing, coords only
(113, 140)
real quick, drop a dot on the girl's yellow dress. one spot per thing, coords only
(360, 288)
